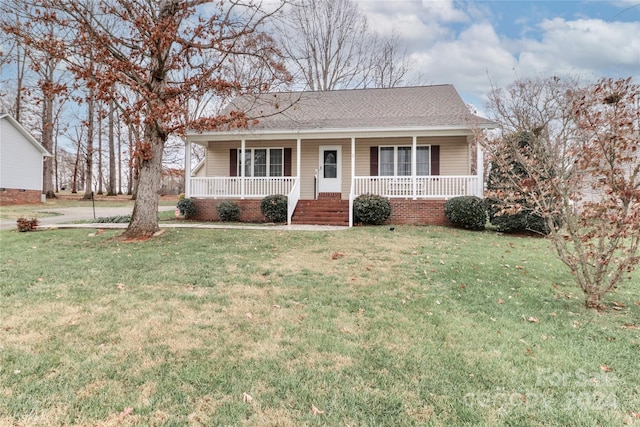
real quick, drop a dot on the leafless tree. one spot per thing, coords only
(570, 155)
(329, 42)
(332, 47)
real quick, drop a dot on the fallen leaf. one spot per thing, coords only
(500, 301)
(316, 411)
(637, 303)
(617, 304)
(125, 412)
(605, 368)
(337, 255)
(442, 262)
(276, 306)
(629, 326)
(120, 286)
(246, 398)
(529, 352)
(635, 414)
(533, 320)
(249, 316)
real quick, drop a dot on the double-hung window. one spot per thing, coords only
(396, 161)
(259, 162)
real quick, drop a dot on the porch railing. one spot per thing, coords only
(238, 187)
(420, 187)
(292, 200)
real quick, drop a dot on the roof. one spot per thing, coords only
(418, 107)
(25, 133)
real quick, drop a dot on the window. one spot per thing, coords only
(262, 162)
(396, 161)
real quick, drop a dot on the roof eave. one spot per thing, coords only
(26, 134)
(312, 133)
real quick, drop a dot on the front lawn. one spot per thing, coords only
(362, 327)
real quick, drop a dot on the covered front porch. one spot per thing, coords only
(339, 166)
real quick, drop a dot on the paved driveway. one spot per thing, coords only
(70, 215)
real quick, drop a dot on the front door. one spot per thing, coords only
(330, 169)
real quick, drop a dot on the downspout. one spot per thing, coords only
(187, 168)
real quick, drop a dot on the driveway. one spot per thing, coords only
(70, 215)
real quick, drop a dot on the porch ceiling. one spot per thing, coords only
(203, 139)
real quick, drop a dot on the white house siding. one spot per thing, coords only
(20, 160)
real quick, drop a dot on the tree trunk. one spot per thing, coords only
(593, 300)
(47, 143)
(100, 174)
(111, 185)
(144, 221)
(89, 159)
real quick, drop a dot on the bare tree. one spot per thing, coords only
(111, 185)
(329, 42)
(389, 63)
(570, 154)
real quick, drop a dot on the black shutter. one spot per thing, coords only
(233, 162)
(287, 162)
(435, 160)
(373, 161)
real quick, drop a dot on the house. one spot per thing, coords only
(412, 145)
(21, 158)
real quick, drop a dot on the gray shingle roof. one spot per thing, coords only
(403, 107)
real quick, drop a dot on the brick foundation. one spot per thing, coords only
(403, 211)
(249, 210)
(417, 212)
(14, 196)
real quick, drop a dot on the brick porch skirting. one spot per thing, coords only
(14, 196)
(249, 210)
(417, 212)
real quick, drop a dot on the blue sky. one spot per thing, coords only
(477, 44)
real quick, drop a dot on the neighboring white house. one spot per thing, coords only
(21, 158)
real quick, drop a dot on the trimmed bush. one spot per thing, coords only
(228, 210)
(467, 212)
(187, 207)
(274, 207)
(371, 209)
(523, 221)
(118, 219)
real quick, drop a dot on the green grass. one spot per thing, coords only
(421, 326)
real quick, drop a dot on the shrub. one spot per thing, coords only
(523, 221)
(118, 219)
(181, 196)
(467, 212)
(27, 224)
(187, 207)
(228, 210)
(371, 209)
(274, 207)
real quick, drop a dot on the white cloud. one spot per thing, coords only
(589, 47)
(444, 11)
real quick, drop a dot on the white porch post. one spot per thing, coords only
(298, 145)
(243, 159)
(480, 169)
(414, 162)
(353, 174)
(187, 168)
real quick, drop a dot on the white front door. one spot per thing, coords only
(330, 169)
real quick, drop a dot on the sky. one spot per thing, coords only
(476, 45)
